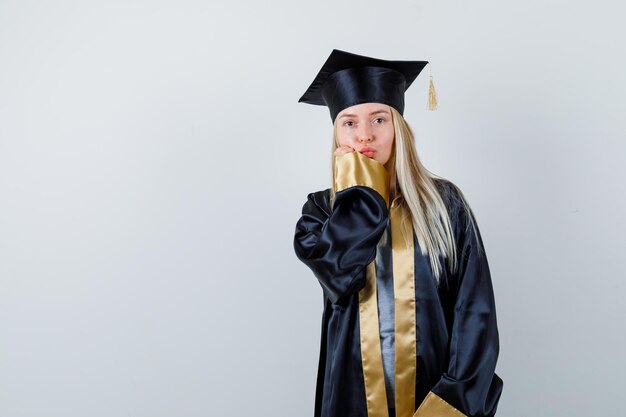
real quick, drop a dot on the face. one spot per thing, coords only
(367, 128)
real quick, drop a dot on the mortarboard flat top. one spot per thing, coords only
(347, 79)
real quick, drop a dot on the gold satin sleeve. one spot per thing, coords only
(354, 168)
(435, 406)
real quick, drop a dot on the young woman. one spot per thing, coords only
(409, 323)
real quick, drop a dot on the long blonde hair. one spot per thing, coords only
(414, 188)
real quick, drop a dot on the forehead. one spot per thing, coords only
(364, 109)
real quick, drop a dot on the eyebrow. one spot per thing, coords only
(371, 114)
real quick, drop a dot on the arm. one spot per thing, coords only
(338, 245)
(469, 387)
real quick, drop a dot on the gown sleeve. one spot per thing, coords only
(469, 387)
(337, 245)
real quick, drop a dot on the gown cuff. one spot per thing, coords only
(435, 406)
(354, 168)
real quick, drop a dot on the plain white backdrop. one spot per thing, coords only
(154, 161)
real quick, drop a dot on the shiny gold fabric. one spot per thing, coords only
(354, 168)
(405, 343)
(338, 239)
(435, 406)
(373, 374)
(404, 302)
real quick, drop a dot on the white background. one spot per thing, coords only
(154, 161)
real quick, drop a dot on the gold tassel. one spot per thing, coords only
(432, 94)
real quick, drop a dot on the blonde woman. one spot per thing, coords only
(409, 324)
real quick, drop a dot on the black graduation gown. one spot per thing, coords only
(456, 328)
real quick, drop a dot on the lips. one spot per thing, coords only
(367, 151)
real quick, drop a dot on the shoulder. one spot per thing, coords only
(451, 194)
(461, 214)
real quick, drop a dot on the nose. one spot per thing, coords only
(364, 134)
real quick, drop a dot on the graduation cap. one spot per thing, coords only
(347, 79)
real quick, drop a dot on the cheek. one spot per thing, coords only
(389, 141)
(343, 139)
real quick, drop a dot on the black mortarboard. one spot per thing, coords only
(348, 79)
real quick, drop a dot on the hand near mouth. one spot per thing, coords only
(344, 149)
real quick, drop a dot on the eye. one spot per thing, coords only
(348, 123)
(382, 119)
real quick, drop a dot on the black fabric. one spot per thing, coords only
(352, 86)
(347, 79)
(338, 246)
(456, 328)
